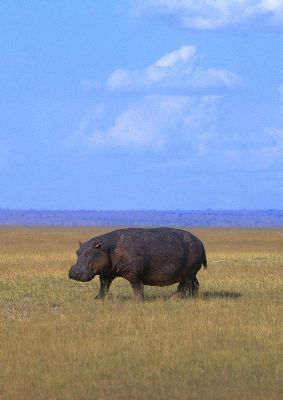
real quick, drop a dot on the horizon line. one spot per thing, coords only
(140, 210)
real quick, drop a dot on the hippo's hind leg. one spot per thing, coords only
(182, 290)
(193, 287)
(187, 288)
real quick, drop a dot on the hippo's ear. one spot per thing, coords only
(80, 244)
(97, 246)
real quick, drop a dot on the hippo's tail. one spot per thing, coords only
(204, 261)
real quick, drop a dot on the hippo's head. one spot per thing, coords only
(92, 260)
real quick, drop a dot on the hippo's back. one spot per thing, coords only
(150, 238)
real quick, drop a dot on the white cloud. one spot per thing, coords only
(175, 111)
(259, 157)
(211, 14)
(184, 131)
(259, 150)
(174, 73)
(217, 153)
(184, 54)
(168, 121)
(271, 151)
(155, 123)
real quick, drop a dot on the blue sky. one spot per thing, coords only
(153, 104)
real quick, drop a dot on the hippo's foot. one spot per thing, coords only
(99, 298)
(177, 295)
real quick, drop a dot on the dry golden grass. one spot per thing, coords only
(56, 342)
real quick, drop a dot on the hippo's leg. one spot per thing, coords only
(189, 287)
(182, 290)
(137, 286)
(105, 283)
(193, 287)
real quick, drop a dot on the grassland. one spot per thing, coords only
(57, 342)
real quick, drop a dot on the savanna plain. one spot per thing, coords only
(57, 342)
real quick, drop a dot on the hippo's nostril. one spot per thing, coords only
(77, 273)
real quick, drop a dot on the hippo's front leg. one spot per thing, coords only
(105, 283)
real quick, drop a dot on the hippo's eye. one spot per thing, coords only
(89, 253)
(77, 273)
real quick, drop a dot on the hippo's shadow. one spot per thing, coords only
(152, 297)
(220, 295)
(124, 298)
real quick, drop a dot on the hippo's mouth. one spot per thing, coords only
(77, 276)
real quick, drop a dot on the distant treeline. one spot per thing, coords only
(217, 218)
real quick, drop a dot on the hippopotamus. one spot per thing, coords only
(154, 256)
